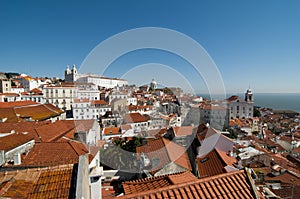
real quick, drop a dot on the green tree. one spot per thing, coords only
(256, 112)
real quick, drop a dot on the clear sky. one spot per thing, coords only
(254, 43)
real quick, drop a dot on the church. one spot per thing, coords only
(72, 75)
(241, 108)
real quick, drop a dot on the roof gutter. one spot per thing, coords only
(252, 183)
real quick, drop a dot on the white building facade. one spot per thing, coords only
(72, 75)
(62, 96)
(84, 109)
(241, 108)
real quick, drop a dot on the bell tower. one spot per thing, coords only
(249, 95)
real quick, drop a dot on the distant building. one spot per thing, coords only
(5, 86)
(153, 85)
(35, 95)
(72, 75)
(87, 91)
(62, 96)
(17, 89)
(84, 109)
(29, 83)
(241, 108)
(216, 116)
(137, 121)
(9, 97)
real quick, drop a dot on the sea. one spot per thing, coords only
(277, 101)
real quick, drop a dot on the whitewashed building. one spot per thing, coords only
(72, 75)
(30, 83)
(62, 96)
(241, 108)
(35, 95)
(87, 91)
(84, 109)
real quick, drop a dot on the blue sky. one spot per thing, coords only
(253, 43)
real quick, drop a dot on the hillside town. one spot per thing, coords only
(89, 136)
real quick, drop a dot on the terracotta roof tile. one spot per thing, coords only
(17, 104)
(134, 118)
(20, 127)
(85, 100)
(54, 131)
(214, 163)
(111, 131)
(166, 152)
(212, 107)
(183, 130)
(146, 184)
(10, 94)
(99, 102)
(54, 153)
(14, 140)
(16, 111)
(53, 184)
(229, 185)
(37, 183)
(36, 91)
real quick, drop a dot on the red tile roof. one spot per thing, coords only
(112, 131)
(229, 185)
(81, 125)
(212, 107)
(167, 152)
(36, 91)
(214, 163)
(37, 183)
(54, 153)
(53, 184)
(17, 111)
(134, 118)
(14, 140)
(233, 98)
(146, 184)
(54, 131)
(85, 100)
(10, 94)
(17, 104)
(183, 130)
(99, 102)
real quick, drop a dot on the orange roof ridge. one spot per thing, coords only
(174, 156)
(50, 109)
(228, 160)
(234, 184)
(72, 144)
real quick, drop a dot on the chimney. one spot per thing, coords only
(17, 159)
